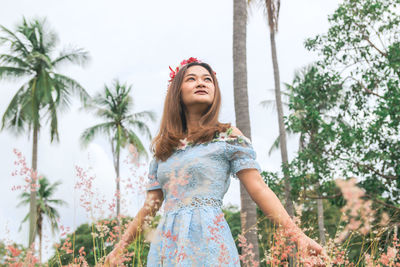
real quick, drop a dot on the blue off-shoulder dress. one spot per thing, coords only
(194, 180)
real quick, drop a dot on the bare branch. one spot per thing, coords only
(382, 202)
(386, 176)
(322, 197)
(364, 87)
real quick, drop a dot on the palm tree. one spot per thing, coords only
(113, 106)
(45, 91)
(248, 211)
(272, 8)
(306, 82)
(45, 208)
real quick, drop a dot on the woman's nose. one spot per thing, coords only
(200, 83)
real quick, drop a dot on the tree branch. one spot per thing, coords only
(382, 202)
(386, 176)
(364, 87)
(322, 197)
(374, 46)
(365, 37)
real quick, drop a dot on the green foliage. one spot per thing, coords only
(346, 108)
(45, 91)
(82, 237)
(96, 241)
(45, 204)
(113, 106)
(12, 254)
(314, 97)
(232, 216)
(274, 182)
(46, 207)
(362, 45)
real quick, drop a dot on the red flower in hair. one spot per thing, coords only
(183, 63)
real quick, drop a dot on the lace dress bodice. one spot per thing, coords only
(194, 180)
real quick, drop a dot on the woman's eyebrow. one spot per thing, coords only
(192, 74)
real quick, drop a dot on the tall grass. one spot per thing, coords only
(360, 226)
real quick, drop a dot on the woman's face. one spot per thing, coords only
(197, 87)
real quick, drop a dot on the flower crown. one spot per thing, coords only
(183, 63)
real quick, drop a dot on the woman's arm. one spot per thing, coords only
(152, 204)
(271, 206)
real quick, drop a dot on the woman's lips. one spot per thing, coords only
(201, 92)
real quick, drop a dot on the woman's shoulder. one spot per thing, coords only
(235, 131)
(232, 134)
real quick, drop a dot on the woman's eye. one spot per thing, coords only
(208, 79)
(190, 79)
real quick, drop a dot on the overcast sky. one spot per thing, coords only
(136, 41)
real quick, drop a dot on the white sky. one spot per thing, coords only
(136, 41)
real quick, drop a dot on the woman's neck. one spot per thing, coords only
(192, 122)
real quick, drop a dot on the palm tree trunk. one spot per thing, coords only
(248, 211)
(282, 131)
(116, 156)
(118, 195)
(321, 224)
(320, 204)
(32, 202)
(320, 212)
(40, 221)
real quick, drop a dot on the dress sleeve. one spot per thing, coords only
(152, 182)
(241, 155)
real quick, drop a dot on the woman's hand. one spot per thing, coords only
(309, 248)
(115, 257)
(309, 245)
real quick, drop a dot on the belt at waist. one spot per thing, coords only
(171, 205)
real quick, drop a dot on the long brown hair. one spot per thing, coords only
(173, 123)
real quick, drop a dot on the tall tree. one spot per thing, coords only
(45, 92)
(45, 207)
(362, 44)
(113, 105)
(314, 101)
(273, 7)
(248, 211)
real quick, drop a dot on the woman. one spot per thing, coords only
(194, 155)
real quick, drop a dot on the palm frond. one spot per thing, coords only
(268, 104)
(77, 56)
(144, 115)
(58, 202)
(12, 73)
(142, 127)
(90, 133)
(276, 144)
(25, 199)
(114, 104)
(45, 192)
(23, 220)
(107, 114)
(53, 124)
(16, 44)
(39, 34)
(271, 104)
(14, 61)
(135, 141)
(73, 85)
(17, 114)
